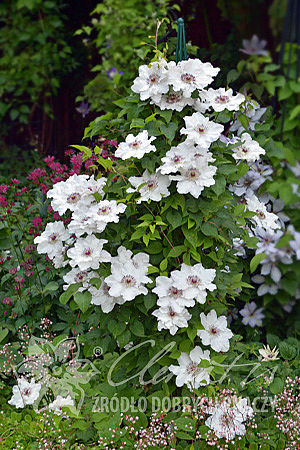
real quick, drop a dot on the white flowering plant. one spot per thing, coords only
(153, 249)
(149, 249)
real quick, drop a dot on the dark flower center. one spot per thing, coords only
(128, 281)
(187, 78)
(74, 198)
(222, 99)
(153, 78)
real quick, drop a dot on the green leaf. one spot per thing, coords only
(137, 123)
(256, 260)
(163, 265)
(192, 237)
(137, 328)
(287, 351)
(3, 333)
(65, 297)
(277, 386)
(166, 114)
(232, 76)
(295, 112)
(219, 186)
(239, 209)
(51, 287)
(169, 130)
(87, 151)
(174, 218)
(244, 120)
(209, 229)
(83, 300)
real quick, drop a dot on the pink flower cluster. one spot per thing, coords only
(287, 412)
(158, 434)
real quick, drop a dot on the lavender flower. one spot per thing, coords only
(83, 109)
(111, 73)
(251, 315)
(254, 46)
(265, 288)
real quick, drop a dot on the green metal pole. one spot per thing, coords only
(181, 52)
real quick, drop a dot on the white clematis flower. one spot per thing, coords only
(25, 393)
(51, 240)
(106, 211)
(173, 100)
(155, 186)
(168, 292)
(249, 150)
(221, 99)
(263, 218)
(201, 130)
(194, 281)
(79, 276)
(187, 76)
(88, 252)
(67, 195)
(135, 146)
(227, 420)
(82, 222)
(171, 317)
(194, 177)
(152, 80)
(101, 297)
(57, 405)
(128, 275)
(215, 333)
(188, 371)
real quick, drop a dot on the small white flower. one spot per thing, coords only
(201, 130)
(25, 393)
(135, 146)
(154, 186)
(106, 211)
(57, 405)
(194, 281)
(254, 115)
(173, 100)
(101, 297)
(215, 333)
(187, 76)
(295, 244)
(227, 420)
(51, 240)
(221, 99)
(251, 315)
(128, 276)
(79, 276)
(182, 156)
(172, 317)
(168, 292)
(88, 252)
(176, 158)
(263, 218)
(188, 371)
(193, 178)
(249, 150)
(82, 222)
(268, 354)
(152, 80)
(68, 194)
(94, 187)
